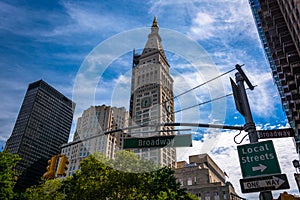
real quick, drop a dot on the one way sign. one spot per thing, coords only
(262, 183)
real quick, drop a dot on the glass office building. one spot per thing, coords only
(42, 126)
(278, 25)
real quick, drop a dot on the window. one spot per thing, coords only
(224, 195)
(216, 196)
(189, 181)
(207, 196)
(199, 196)
(180, 181)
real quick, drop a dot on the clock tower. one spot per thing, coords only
(152, 98)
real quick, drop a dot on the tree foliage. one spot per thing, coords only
(48, 189)
(125, 177)
(8, 175)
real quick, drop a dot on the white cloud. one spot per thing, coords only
(122, 79)
(262, 99)
(224, 20)
(88, 17)
(120, 91)
(200, 93)
(202, 26)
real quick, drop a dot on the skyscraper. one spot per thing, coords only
(278, 25)
(89, 136)
(42, 126)
(151, 100)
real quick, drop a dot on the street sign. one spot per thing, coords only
(159, 141)
(264, 183)
(258, 159)
(278, 133)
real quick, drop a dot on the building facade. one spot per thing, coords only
(42, 126)
(278, 25)
(203, 178)
(89, 136)
(152, 99)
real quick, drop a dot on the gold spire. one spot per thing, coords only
(154, 24)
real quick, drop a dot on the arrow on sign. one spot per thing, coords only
(260, 167)
(263, 183)
(273, 182)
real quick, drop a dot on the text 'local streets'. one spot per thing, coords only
(250, 154)
(258, 159)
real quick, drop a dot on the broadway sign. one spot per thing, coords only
(158, 141)
(278, 133)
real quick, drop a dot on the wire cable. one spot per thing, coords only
(210, 80)
(189, 90)
(202, 103)
(199, 104)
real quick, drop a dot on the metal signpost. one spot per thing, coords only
(256, 159)
(158, 141)
(249, 127)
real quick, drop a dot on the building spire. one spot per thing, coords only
(153, 43)
(154, 24)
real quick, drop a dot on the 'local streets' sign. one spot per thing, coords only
(278, 133)
(263, 183)
(159, 141)
(258, 159)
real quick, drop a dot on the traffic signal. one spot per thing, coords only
(62, 167)
(51, 168)
(286, 196)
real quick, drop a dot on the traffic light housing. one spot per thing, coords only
(286, 196)
(62, 167)
(51, 168)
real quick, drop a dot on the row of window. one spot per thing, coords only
(211, 195)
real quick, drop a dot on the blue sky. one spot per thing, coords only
(55, 40)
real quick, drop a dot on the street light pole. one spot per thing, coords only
(249, 127)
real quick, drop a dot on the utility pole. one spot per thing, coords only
(243, 106)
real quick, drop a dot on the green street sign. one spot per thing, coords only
(257, 159)
(159, 141)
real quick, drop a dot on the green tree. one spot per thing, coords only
(48, 189)
(125, 178)
(91, 182)
(98, 178)
(127, 161)
(163, 185)
(8, 175)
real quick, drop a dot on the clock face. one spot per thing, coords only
(146, 102)
(168, 107)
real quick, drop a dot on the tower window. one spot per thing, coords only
(189, 181)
